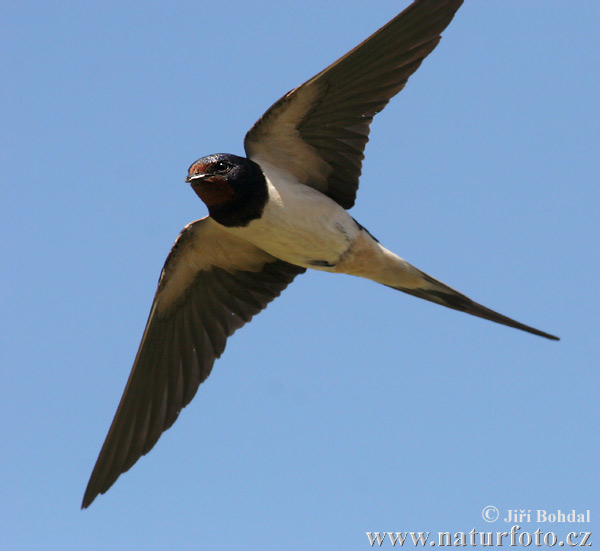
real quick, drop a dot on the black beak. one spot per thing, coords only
(190, 178)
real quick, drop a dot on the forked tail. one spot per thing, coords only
(436, 291)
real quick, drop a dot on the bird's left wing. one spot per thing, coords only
(211, 285)
(317, 133)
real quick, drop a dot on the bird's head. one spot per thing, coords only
(214, 177)
(233, 188)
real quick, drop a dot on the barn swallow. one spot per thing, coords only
(273, 214)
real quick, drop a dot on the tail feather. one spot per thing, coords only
(438, 292)
(370, 259)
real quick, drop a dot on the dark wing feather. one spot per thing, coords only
(318, 131)
(210, 286)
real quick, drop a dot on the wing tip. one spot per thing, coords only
(88, 498)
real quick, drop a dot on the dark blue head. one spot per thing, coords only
(233, 188)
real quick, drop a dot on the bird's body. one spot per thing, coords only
(304, 227)
(300, 225)
(272, 215)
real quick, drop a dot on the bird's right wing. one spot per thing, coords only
(211, 285)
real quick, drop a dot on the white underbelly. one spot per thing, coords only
(302, 226)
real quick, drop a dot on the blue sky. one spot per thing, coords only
(345, 407)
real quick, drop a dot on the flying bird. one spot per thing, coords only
(273, 214)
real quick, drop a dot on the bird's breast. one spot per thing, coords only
(302, 226)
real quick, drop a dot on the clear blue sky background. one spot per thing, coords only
(345, 407)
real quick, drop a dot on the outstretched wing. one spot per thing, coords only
(317, 132)
(211, 285)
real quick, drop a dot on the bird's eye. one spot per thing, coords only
(222, 166)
